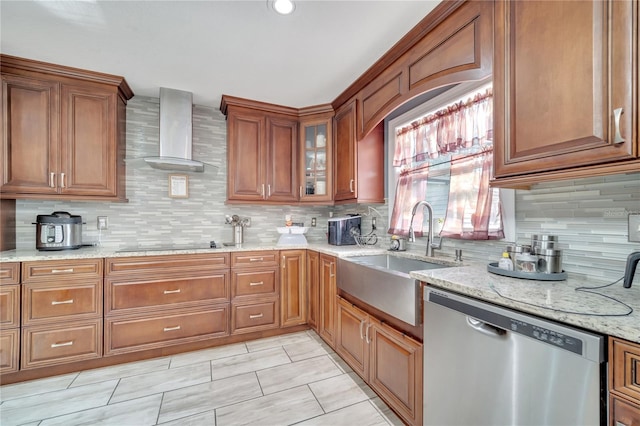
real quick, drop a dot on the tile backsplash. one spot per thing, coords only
(588, 215)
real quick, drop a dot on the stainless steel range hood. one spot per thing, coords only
(176, 130)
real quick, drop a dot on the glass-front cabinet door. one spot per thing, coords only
(315, 185)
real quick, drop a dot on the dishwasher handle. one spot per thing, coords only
(483, 327)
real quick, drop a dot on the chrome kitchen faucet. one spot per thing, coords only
(412, 235)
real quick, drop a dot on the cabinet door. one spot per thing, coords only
(9, 306)
(562, 72)
(313, 288)
(90, 146)
(30, 140)
(623, 413)
(9, 350)
(328, 293)
(245, 156)
(316, 160)
(395, 371)
(293, 295)
(351, 332)
(282, 160)
(345, 161)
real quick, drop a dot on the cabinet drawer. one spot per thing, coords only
(254, 259)
(9, 350)
(253, 283)
(148, 332)
(49, 345)
(145, 295)
(625, 362)
(167, 263)
(9, 273)
(623, 413)
(9, 306)
(255, 316)
(77, 268)
(46, 302)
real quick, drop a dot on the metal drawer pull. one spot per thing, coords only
(52, 180)
(62, 302)
(257, 283)
(351, 186)
(617, 138)
(171, 291)
(262, 190)
(268, 190)
(57, 345)
(61, 180)
(361, 324)
(256, 316)
(366, 336)
(61, 271)
(177, 327)
(256, 259)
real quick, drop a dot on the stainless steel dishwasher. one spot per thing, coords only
(488, 365)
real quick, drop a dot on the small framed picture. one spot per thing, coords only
(178, 186)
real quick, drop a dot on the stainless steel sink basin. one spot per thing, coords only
(389, 262)
(383, 282)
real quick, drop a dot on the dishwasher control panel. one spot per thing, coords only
(546, 335)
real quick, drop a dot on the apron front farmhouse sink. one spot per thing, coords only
(383, 282)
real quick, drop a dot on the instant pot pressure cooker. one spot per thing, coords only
(58, 231)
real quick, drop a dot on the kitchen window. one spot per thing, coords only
(444, 155)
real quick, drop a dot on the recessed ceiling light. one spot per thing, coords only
(283, 7)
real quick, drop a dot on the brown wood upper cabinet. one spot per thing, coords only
(262, 151)
(359, 164)
(565, 96)
(64, 132)
(316, 150)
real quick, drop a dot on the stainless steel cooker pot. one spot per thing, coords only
(58, 231)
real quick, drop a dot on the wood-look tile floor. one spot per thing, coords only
(290, 379)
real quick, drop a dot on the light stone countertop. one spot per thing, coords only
(555, 300)
(552, 299)
(100, 252)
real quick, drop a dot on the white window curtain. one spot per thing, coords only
(473, 210)
(463, 133)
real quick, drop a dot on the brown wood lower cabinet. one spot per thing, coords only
(255, 289)
(128, 334)
(9, 350)
(47, 345)
(293, 291)
(61, 312)
(327, 302)
(313, 289)
(623, 412)
(388, 360)
(9, 317)
(254, 316)
(624, 383)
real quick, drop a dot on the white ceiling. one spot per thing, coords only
(210, 48)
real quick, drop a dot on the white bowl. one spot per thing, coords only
(292, 229)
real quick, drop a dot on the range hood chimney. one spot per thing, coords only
(176, 130)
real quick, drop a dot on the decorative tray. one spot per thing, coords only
(493, 268)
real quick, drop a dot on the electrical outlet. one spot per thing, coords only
(313, 221)
(634, 227)
(103, 222)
